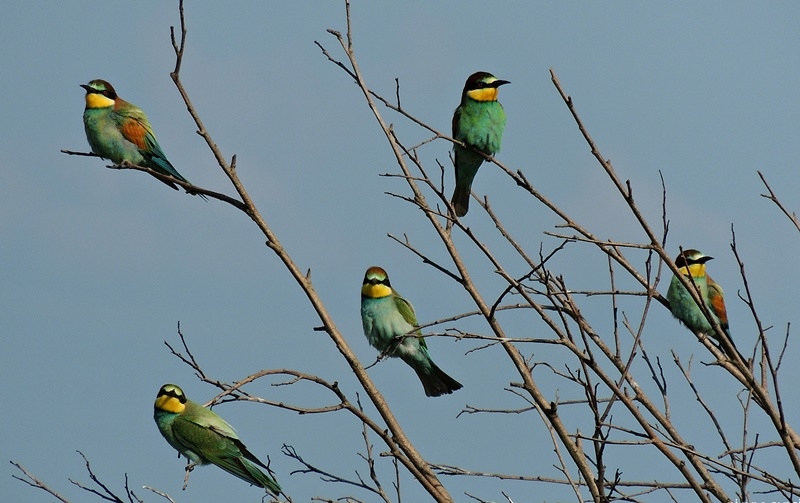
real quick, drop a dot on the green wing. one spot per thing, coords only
(407, 311)
(456, 120)
(135, 127)
(210, 437)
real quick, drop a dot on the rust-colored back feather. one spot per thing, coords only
(717, 300)
(134, 132)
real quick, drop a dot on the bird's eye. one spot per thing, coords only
(173, 393)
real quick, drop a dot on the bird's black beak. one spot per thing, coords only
(705, 259)
(498, 83)
(89, 89)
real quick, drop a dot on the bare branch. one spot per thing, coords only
(32, 481)
(774, 198)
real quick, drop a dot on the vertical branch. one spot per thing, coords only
(399, 443)
(549, 409)
(789, 438)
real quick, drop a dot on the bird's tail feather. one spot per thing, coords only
(164, 167)
(460, 200)
(249, 472)
(467, 163)
(730, 339)
(435, 381)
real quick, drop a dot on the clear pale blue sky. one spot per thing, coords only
(97, 266)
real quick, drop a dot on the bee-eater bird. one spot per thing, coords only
(692, 264)
(479, 122)
(203, 437)
(120, 131)
(390, 326)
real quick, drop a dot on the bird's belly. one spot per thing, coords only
(483, 130)
(686, 309)
(381, 330)
(107, 141)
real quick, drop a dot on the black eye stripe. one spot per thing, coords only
(376, 281)
(174, 394)
(682, 261)
(104, 92)
(482, 85)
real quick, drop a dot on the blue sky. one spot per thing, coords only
(97, 266)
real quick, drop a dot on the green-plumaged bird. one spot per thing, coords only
(479, 122)
(386, 317)
(692, 264)
(120, 131)
(203, 437)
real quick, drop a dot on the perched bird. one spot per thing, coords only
(203, 437)
(692, 264)
(387, 317)
(120, 131)
(479, 122)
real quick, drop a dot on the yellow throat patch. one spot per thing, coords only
(694, 270)
(97, 100)
(169, 404)
(485, 94)
(375, 291)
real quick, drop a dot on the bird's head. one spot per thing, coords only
(482, 86)
(376, 284)
(171, 399)
(99, 94)
(692, 262)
